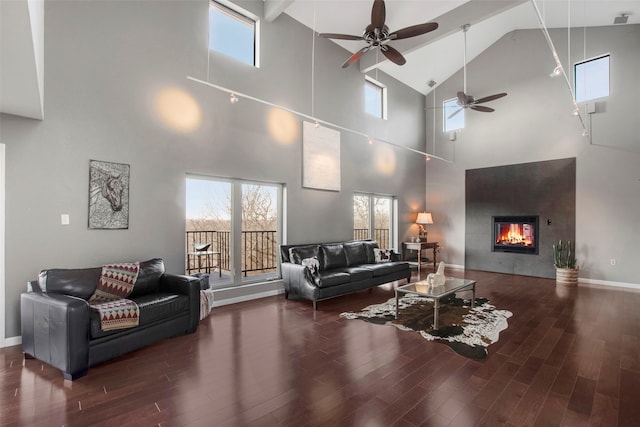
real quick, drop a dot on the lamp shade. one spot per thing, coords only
(424, 218)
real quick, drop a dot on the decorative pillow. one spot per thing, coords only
(312, 264)
(311, 269)
(382, 255)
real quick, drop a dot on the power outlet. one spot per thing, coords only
(613, 261)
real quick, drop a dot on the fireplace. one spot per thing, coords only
(515, 234)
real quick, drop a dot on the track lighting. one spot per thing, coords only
(585, 133)
(556, 71)
(576, 112)
(233, 98)
(317, 125)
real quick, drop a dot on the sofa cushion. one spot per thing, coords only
(153, 308)
(76, 282)
(332, 278)
(355, 253)
(333, 257)
(298, 253)
(369, 246)
(386, 268)
(148, 281)
(382, 255)
(356, 273)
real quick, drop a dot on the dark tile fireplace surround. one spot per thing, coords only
(515, 213)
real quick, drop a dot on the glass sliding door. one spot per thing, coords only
(208, 229)
(374, 218)
(259, 231)
(233, 230)
(361, 217)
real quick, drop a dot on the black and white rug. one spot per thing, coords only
(468, 331)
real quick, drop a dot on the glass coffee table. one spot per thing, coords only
(423, 289)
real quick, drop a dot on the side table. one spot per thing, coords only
(419, 247)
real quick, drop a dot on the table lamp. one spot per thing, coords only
(423, 219)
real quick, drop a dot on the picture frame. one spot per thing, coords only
(320, 157)
(108, 195)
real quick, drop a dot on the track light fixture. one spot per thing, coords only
(233, 98)
(556, 71)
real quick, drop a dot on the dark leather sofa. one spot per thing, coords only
(59, 327)
(344, 267)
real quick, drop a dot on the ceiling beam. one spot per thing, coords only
(273, 8)
(449, 23)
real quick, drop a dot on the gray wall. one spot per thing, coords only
(543, 189)
(534, 123)
(105, 64)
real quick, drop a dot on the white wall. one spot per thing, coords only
(534, 123)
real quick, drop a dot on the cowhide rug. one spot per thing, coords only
(468, 331)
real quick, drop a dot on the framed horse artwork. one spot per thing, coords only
(108, 195)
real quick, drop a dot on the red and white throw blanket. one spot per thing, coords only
(109, 299)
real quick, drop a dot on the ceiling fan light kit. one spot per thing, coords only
(377, 35)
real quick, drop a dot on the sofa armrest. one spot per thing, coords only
(55, 330)
(185, 285)
(298, 281)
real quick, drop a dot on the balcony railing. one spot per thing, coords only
(380, 235)
(259, 250)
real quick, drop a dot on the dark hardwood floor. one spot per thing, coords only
(568, 357)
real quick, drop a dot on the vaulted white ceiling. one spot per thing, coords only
(439, 54)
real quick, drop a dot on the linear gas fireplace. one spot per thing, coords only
(515, 234)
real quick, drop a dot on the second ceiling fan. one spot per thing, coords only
(468, 101)
(377, 35)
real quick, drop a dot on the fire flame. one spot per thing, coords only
(515, 234)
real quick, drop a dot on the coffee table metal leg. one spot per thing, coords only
(473, 296)
(436, 308)
(396, 303)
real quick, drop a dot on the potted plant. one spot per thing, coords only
(565, 261)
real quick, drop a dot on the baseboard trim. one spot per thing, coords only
(609, 283)
(10, 342)
(244, 298)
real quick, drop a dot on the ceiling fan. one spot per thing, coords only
(377, 34)
(468, 101)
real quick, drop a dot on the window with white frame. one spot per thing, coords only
(591, 79)
(453, 115)
(375, 98)
(233, 32)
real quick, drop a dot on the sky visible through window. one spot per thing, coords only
(231, 35)
(202, 195)
(592, 79)
(456, 122)
(373, 99)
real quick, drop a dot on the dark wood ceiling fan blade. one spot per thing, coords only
(340, 36)
(482, 108)
(490, 98)
(393, 55)
(455, 112)
(354, 58)
(414, 30)
(378, 14)
(462, 98)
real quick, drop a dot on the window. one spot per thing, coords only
(592, 79)
(452, 122)
(375, 98)
(233, 32)
(374, 218)
(241, 221)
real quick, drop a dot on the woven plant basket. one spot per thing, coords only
(567, 276)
